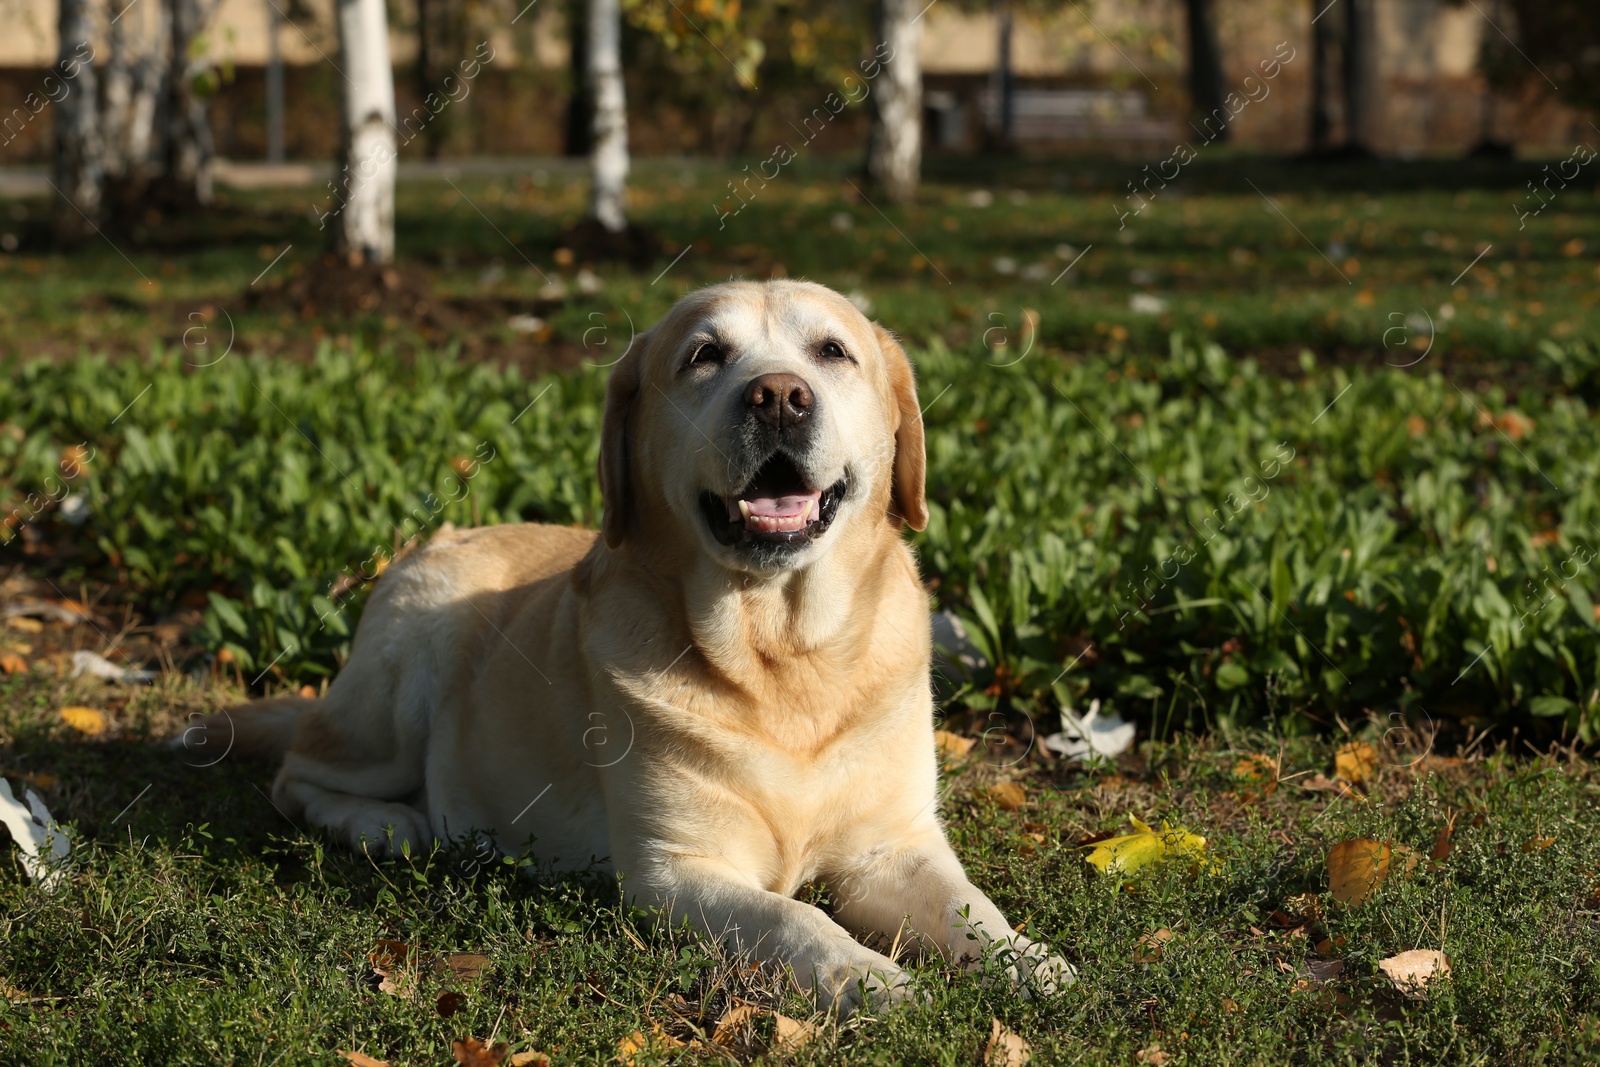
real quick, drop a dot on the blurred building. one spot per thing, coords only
(1115, 84)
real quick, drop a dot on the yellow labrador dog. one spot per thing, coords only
(721, 696)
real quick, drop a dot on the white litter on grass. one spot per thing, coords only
(86, 662)
(43, 844)
(1095, 734)
(1146, 304)
(525, 323)
(75, 509)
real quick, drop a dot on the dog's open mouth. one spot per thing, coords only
(777, 507)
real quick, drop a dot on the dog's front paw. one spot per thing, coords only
(1030, 966)
(872, 983)
(1038, 972)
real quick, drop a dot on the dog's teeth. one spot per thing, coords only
(744, 509)
(805, 513)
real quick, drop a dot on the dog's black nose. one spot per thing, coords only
(779, 400)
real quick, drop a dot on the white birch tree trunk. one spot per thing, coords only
(188, 150)
(132, 91)
(894, 147)
(78, 166)
(364, 228)
(608, 156)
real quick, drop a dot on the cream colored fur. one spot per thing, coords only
(651, 702)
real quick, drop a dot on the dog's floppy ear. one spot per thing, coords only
(615, 488)
(909, 498)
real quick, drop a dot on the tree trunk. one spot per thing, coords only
(579, 137)
(189, 149)
(894, 148)
(132, 94)
(1205, 62)
(364, 228)
(1360, 76)
(275, 147)
(1004, 82)
(1324, 99)
(608, 159)
(78, 175)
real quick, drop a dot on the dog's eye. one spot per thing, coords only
(832, 350)
(706, 352)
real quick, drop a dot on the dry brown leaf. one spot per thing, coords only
(1149, 948)
(952, 746)
(1357, 867)
(1010, 796)
(1356, 762)
(84, 720)
(448, 1003)
(1441, 843)
(25, 624)
(792, 1033)
(528, 1059)
(1005, 1048)
(470, 1052)
(361, 1059)
(466, 966)
(733, 1029)
(1260, 772)
(1412, 971)
(1321, 783)
(12, 663)
(1153, 1055)
(1255, 768)
(1230, 1005)
(1538, 844)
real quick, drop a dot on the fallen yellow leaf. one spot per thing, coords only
(1356, 762)
(1356, 868)
(1153, 1055)
(25, 624)
(1256, 769)
(1010, 796)
(952, 746)
(1130, 852)
(528, 1059)
(1005, 1048)
(639, 1041)
(84, 720)
(1413, 970)
(12, 663)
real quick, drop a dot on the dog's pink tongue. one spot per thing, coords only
(786, 511)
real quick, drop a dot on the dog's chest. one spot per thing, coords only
(787, 801)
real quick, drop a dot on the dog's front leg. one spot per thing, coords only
(920, 891)
(729, 907)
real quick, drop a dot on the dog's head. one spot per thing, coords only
(765, 421)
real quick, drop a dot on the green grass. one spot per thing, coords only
(1230, 267)
(201, 927)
